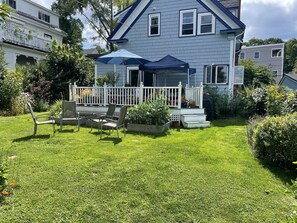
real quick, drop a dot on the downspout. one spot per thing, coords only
(231, 76)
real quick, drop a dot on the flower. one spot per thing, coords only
(12, 183)
(5, 193)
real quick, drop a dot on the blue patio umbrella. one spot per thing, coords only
(122, 57)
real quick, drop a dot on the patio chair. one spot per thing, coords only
(38, 122)
(99, 119)
(69, 113)
(116, 124)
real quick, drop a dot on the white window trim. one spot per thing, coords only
(255, 55)
(281, 50)
(150, 23)
(213, 23)
(194, 11)
(128, 72)
(216, 76)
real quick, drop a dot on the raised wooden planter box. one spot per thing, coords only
(156, 129)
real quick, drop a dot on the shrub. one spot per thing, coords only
(275, 141)
(3, 180)
(275, 98)
(19, 104)
(41, 105)
(253, 101)
(150, 113)
(10, 88)
(56, 108)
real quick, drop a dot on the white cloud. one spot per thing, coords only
(285, 4)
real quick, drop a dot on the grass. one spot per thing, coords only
(196, 175)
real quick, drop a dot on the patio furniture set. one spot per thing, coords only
(107, 120)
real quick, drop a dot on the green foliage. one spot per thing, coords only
(150, 113)
(10, 88)
(257, 42)
(290, 55)
(256, 76)
(56, 108)
(36, 82)
(224, 104)
(5, 12)
(3, 180)
(108, 78)
(274, 140)
(19, 104)
(65, 65)
(253, 101)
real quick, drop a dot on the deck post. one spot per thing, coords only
(141, 93)
(70, 92)
(105, 94)
(201, 96)
(179, 95)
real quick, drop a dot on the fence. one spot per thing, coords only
(102, 96)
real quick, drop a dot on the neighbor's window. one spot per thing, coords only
(256, 55)
(234, 11)
(44, 17)
(242, 56)
(154, 24)
(276, 53)
(206, 23)
(216, 74)
(187, 22)
(47, 36)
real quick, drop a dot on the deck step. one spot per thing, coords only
(193, 118)
(191, 125)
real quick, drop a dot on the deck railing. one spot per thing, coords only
(95, 96)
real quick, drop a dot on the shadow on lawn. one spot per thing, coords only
(27, 138)
(285, 175)
(232, 121)
(151, 135)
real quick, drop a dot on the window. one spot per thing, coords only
(187, 22)
(154, 24)
(216, 74)
(11, 3)
(44, 17)
(242, 56)
(276, 53)
(274, 73)
(256, 55)
(206, 24)
(47, 36)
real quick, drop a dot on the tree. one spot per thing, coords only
(256, 76)
(65, 65)
(72, 26)
(4, 12)
(258, 42)
(101, 19)
(290, 55)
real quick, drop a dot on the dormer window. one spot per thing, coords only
(44, 17)
(154, 24)
(187, 22)
(206, 23)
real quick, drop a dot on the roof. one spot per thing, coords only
(230, 3)
(292, 76)
(134, 12)
(92, 53)
(289, 80)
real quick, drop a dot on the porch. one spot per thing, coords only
(95, 100)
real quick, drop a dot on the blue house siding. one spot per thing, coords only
(198, 50)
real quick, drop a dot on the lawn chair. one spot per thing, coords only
(37, 122)
(100, 119)
(116, 124)
(69, 113)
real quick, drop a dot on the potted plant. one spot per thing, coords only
(150, 117)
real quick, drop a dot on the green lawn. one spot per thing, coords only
(196, 175)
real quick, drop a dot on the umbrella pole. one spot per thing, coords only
(188, 77)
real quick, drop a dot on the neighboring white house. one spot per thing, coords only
(271, 55)
(28, 33)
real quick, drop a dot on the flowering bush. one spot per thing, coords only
(149, 113)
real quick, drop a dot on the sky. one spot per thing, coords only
(263, 19)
